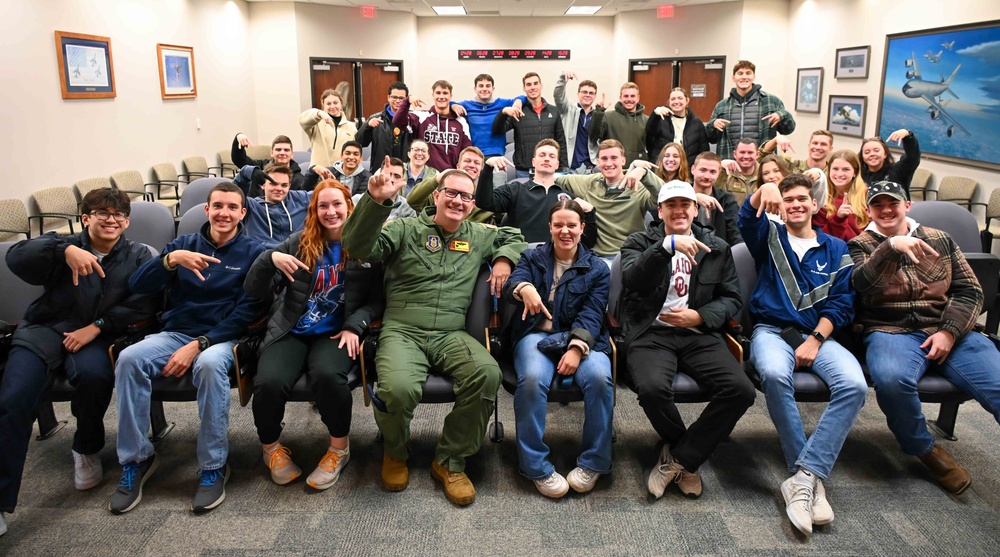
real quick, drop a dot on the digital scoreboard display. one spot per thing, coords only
(513, 54)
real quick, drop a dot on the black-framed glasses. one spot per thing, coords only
(395, 98)
(105, 215)
(451, 193)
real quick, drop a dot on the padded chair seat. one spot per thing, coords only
(178, 389)
(687, 390)
(934, 388)
(438, 390)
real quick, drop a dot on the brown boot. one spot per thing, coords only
(457, 487)
(952, 477)
(395, 474)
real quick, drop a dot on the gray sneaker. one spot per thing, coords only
(3, 525)
(328, 471)
(211, 491)
(553, 486)
(664, 472)
(87, 470)
(798, 494)
(129, 492)
(581, 479)
(822, 512)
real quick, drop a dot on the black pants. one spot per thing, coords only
(653, 358)
(24, 380)
(281, 365)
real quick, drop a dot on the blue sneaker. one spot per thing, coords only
(129, 492)
(211, 491)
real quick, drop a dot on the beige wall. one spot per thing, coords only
(814, 37)
(61, 141)
(275, 72)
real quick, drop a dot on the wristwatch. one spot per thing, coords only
(819, 336)
(100, 323)
(203, 343)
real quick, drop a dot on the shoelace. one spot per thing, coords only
(128, 475)
(551, 481)
(280, 458)
(208, 477)
(801, 493)
(681, 475)
(585, 475)
(329, 462)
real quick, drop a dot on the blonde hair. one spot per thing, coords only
(855, 194)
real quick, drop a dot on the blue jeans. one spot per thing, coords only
(896, 363)
(774, 359)
(535, 372)
(522, 174)
(140, 363)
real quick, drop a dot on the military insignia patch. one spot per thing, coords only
(563, 196)
(459, 245)
(433, 244)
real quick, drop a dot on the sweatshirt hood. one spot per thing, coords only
(339, 166)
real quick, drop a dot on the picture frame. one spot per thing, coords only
(177, 75)
(846, 115)
(86, 67)
(852, 63)
(808, 89)
(940, 84)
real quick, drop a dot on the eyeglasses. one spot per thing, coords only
(453, 193)
(588, 93)
(424, 151)
(104, 215)
(395, 98)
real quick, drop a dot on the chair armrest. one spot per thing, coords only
(70, 219)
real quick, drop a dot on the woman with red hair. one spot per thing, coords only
(324, 303)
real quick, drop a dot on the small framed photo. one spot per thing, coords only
(177, 79)
(847, 115)
(86, 70)
(808, 89)
(852, 63)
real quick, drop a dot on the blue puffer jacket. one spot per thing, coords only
(580, 300)
(216, 307)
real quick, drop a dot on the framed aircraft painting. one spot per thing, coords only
(944, 86)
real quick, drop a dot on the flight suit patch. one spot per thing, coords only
(433, 244)
(459, 245)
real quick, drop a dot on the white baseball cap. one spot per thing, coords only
(676, 188)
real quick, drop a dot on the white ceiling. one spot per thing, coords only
(507, 8)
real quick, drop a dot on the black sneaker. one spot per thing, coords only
(129, 492)
(211, 491)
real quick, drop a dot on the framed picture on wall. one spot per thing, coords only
(847, 115)
(852, 63)
(941, 84)
(86, 70)
(177, 80)
(808, 89)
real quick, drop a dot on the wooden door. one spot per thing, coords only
(655, 80)
(331, 74)
(704, 81)
(376, 77)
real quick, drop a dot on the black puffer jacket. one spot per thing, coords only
(715, 288)
(63, 307)
(660, 131)
(240, 159)
(385, 139)
(363, 293)
(531, 129)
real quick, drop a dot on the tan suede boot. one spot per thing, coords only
(457, 486)
(952, 477)
(395, 474)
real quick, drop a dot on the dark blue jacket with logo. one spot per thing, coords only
(217, 307)
(580, 300)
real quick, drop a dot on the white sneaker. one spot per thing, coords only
(87, 470)
(822, 512)
(328, 471)
(553, 485)
(664, 472)
(798, 494)
(3, 525)
(582, 480)
(279, 461)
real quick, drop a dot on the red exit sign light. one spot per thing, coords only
(666, 10)
(368, 12)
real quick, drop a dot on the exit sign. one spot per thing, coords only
(666, 10)
(368, 12)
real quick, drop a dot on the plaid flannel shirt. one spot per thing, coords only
(898, 296)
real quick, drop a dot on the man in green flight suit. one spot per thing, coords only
(431, 265)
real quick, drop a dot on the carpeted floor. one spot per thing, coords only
(885, 501)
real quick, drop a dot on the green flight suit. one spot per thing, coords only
(429, 279)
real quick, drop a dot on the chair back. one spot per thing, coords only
(226, 162)
(959, 223)
(919, 183)
(13, 219)
(957, 189)
(127, 180)
(59, 200)
(164, 172)
(195, 165)
(993, 206)
(746, 271)
(195, 194)
(259, 152)
(151, 224)
(83, 187)
(17, 294)
(302, 157)
(477, 318)
(192, 221)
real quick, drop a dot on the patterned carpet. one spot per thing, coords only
(885, 501)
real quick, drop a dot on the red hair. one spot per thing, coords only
(313, 240)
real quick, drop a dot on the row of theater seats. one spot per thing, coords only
(482, 324)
